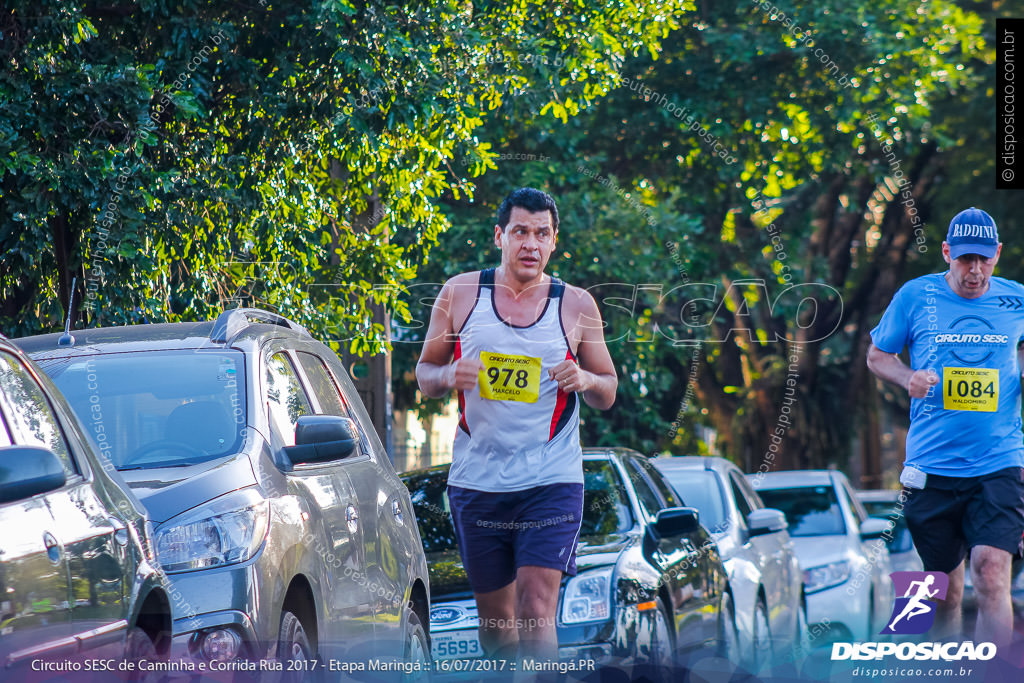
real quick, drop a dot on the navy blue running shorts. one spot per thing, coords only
(951, 515)
(498, 533)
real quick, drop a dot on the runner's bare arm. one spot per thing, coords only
(436, 374)
(889, 367)
(594, 376)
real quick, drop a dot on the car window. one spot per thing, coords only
(753, 499)
(31, 418)
(285, 398)
(810, 510)
(700, 489)
(156, 409)
(742, 504)
(332, 401)
(649, 500)
(667, 494)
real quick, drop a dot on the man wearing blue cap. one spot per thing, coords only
(963, 476)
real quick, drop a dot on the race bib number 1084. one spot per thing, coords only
(509, 378)
(970, 389)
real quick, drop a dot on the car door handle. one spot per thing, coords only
(120, 530)
(52, 547)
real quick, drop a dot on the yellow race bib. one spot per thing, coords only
(970, 389)
(509, 378)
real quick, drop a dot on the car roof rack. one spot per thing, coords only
(231, 322)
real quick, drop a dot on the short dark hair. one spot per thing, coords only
(531, 199)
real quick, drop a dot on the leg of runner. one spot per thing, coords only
(537, 604)
(919, 609)
(497, 613)
(990, 569)
(949, 612)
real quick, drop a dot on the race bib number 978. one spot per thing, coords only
(970, 389)
(509, 378)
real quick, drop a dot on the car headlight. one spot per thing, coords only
(826, 576)
(225, 531)
(588, 597)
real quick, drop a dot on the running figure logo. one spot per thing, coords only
(914, 612)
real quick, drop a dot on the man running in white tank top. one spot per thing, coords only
(518, 346)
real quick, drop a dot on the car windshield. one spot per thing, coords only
(157, 408)
(700, 489)
(810, 510)
(428, 491)
(605, 504)
(878, 508)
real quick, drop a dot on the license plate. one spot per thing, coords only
(456, 645)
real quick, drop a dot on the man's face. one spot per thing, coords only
(526, 243)
(969, 274)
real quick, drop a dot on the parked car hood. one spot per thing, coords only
(448, 576)
(814, 551)
(602, 549)
(169, 491)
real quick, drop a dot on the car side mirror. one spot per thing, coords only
(873, 528)
(322, 438)
(27, 471)
(766, 521)
(672, 522)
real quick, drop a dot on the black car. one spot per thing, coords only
(78, 582)
(279, 518)
(650, 582)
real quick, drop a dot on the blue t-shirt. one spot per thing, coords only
(969, 424)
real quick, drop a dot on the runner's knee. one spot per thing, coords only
(990, 569)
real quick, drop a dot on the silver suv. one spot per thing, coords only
(279, 518)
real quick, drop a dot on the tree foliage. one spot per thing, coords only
(180, 157)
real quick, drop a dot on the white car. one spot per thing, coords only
(759, 556)
(844, 559)
(886, 506)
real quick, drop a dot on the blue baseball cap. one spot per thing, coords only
(972, 231)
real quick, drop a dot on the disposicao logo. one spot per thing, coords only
(914, 613)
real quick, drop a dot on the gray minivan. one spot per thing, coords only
(278, 515)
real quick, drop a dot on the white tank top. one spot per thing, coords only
(516, 429)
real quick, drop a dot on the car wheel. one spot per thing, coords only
(416, 648)
(293, 650)
(728, 640)
(140, 647)
(761, 647)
